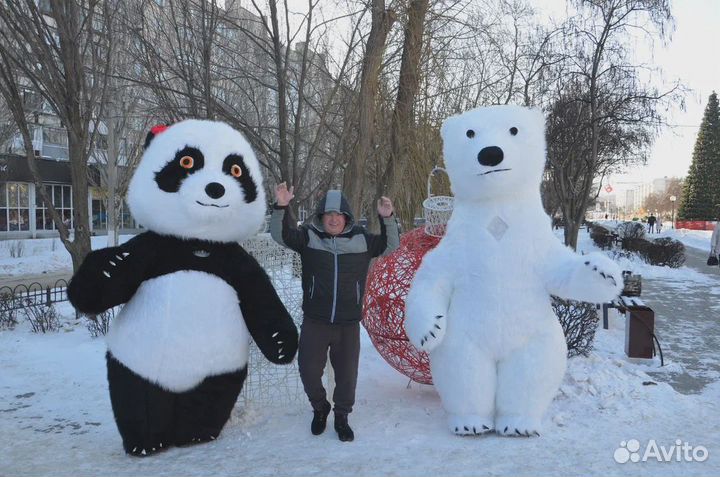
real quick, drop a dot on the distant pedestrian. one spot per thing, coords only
(658, 226)
(651, 223)
(714, 259)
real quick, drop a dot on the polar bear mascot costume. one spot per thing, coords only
(480, 302)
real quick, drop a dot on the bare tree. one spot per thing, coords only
(8, 129)
(614, 114)
(118, 147)
(60, 54)
(254, 68)
(355, 172)
(403, 119)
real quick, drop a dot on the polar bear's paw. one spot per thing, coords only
(603, 274)
(470, 425)
(517, 426)
(426, 332)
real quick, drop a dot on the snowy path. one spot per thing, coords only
(55, 415)
(687, 321)
(55, 419)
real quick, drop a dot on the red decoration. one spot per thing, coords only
(387, 286)
(158, 129)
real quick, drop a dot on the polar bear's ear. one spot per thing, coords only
(450, 127)
(538, 116)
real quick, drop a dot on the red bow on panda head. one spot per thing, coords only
(157, 129)
(154, 131)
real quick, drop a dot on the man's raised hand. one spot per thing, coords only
(283, 196)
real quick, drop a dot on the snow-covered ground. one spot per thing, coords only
(41, 255)
(55, 417)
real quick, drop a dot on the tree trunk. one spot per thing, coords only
(112, 178)
(403, 119)
(354, 179)
(79, 173)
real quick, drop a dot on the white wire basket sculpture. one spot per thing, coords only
(437, 208)
(268, 383)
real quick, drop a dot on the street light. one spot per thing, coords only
(673, 199)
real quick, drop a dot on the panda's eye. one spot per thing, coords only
(514, 131)
(235, 170)
(470, 133)
(187, 162)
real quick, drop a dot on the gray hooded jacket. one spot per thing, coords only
(334, 269)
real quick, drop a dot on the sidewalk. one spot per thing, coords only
(687, 323)
(45, 279)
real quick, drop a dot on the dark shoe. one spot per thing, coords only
(344, 432)
(320, 420)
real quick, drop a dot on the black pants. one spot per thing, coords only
(343, 340)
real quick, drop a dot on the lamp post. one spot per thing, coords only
(672, 200)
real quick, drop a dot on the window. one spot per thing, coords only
(101, 141)
(55, 136)
(61, 196)
(44, 7)
(99, 215)
(14, 206)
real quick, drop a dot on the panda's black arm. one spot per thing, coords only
(267, 319)
(110, 276)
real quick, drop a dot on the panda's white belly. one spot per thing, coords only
(180, 328)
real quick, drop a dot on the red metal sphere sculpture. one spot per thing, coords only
(387, 286)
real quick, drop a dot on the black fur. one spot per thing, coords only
(245, 180)
(150, 418)
(172, 174)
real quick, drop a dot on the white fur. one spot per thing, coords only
(170, 333)
(498, 354)
(178, 213)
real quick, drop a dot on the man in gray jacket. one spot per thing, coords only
(335, 255)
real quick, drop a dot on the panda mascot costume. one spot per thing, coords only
(178, 351)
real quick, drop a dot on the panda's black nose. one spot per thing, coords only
(490, 156)
(215, 190)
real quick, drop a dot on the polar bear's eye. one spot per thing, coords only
(514, 131)
(470, 133)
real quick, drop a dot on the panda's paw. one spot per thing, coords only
(144, 450)
(114, 263)
(427, 333)
(284, 345)
(198, 439)
(470, 425)
(517, 426)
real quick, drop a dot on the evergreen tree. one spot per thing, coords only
(701, 197)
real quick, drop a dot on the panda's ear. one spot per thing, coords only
(154, 131)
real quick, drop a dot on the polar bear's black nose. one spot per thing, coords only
(215, 190)
(490, 156)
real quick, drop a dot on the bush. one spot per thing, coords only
(664, 252)
(8, 315)
(601, 236)
(98, 325)
(630, 230)
(42, 317)
(579, 321)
